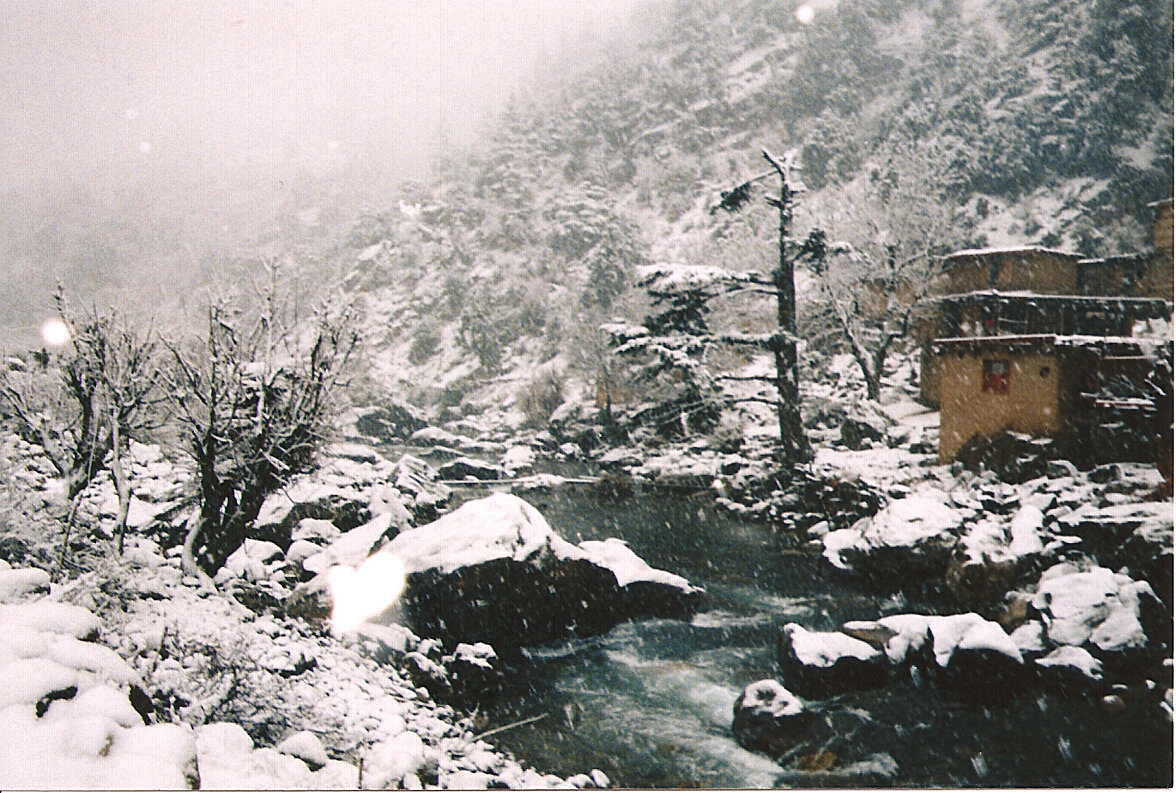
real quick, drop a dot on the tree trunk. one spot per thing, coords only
(793, 441)
(122, 484)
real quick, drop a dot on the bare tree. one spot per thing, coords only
(253, 401)
(900, 223)
(121, 363)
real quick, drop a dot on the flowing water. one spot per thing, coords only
(651, 702)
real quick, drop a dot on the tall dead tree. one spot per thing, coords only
(794, 445)
(677, 338)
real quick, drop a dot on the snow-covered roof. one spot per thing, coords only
(1038, 340)
(1022, 294)
(1116, 259)
(976, 252)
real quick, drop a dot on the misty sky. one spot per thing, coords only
(88, 83)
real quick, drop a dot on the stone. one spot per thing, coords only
(469, 468)
(1014, 457)
(494, 571)
(1071, 670)
(769, 718)
(824, 664)
(474, 671)
(393, 421)
(1061, 469)
(1103, 612)
(965, 655)
(860, 430)
(306, 746)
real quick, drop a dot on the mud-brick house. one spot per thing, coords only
(1046, 385)
(1033, 290)
(1042, 270)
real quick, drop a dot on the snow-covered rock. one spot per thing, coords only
(964, 654)
(470, 468)
(1100, 610)
(306, 746)
(421, 482)
(352, 547)
(822, 664)
(1071, 669)
(23, 583)
(908, 540)
(495, 571)
(770, 718)
(387, 763)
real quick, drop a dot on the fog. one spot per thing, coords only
(112, 108)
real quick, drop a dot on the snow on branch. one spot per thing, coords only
(667, 278)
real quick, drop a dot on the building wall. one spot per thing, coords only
(1157, 278)
(1037, 271)
(1031, 405)
(1162, 231)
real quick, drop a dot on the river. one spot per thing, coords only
(650, 703)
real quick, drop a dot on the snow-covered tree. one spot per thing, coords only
(677, 337)
(896, 225)
(253, 402)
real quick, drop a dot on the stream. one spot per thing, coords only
(650, 703)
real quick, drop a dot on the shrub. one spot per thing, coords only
(542, 395)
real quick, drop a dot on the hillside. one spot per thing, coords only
(1019, 123)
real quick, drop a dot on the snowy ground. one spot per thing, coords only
(235, 697)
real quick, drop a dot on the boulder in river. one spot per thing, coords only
(769, 718)
(469, 468)
(823, 664)
(966, 655)
(494, 571)
(1109, 614)
(908, 542)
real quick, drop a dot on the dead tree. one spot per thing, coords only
(253, 402)
(794, 445)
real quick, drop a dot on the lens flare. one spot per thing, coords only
(805, 14)
(359, 594)
(55, 332)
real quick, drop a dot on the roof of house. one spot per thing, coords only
(1117, 259)
(1157, 305)
(1112, 345)
(975, 253)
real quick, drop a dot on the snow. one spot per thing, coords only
(306, 746)
(1025, 531)
(1073, 658)
(821, 649)
(1095, 605)
(947, 633)
(905, 522)
(389, 761)
(352, 547)
(50, 616)
(501, 526)
(19, 584)
(770, 698)
(627, 566)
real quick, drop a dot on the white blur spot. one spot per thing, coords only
(333, 144)
(145, 146)
(357, 595)
(805, 14)
(132, 113)
(54, 332)
(410, 210)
